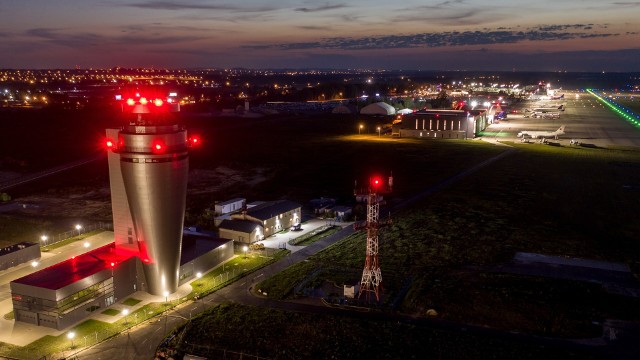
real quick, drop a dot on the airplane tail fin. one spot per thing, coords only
(561, 129)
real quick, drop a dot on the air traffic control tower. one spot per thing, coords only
(148, 167)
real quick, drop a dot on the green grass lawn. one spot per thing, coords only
(316, 336)
(131, 302)
(111, 312)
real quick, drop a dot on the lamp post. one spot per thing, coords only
(245, 248)
(70, 336)
(166, 298)
(360, 129)
(125, 312)
(78, 227)
(378, 128)
(44, 239)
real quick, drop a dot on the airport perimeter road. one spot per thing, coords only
(141, 341)
(586, 120)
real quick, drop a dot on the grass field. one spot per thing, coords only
(277, 334)
(544, 199)
(437, 254)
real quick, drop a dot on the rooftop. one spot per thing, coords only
(239, 225)
(270, 209)
(77, 268)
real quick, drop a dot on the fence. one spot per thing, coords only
(83, 230)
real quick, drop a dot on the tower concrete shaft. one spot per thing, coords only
(148, 172)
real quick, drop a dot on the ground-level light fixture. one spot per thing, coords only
(70, 336)
(245, 248)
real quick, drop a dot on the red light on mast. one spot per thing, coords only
(109, 144)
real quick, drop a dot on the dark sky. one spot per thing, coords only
(560, 35)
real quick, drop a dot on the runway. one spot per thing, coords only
(587, 120)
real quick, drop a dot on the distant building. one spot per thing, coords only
(17, 254)
(341, 212)
(379, 108)
(230, 206)
(274, 216)
(442, 124)
(321, 204)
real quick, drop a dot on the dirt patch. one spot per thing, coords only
(203, 181)
(81, 206)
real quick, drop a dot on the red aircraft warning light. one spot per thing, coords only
(194, 141)
(158, 146)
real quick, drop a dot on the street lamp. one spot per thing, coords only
(360, 128)
(198, 275)
(245, 248)
(166, 297)
(378, 128)
(78, 227)
(70, 336)
(125, 312)
(44, 239)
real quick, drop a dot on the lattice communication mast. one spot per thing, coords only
(371, 275)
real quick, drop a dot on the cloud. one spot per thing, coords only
(84, 40)
(54, 36)
(321, 8)
(179, 5)
(312, 27)
(190, 5)
(626, 3)
(438, 39)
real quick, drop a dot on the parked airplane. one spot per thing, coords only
(557, 97)
(542, 134)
